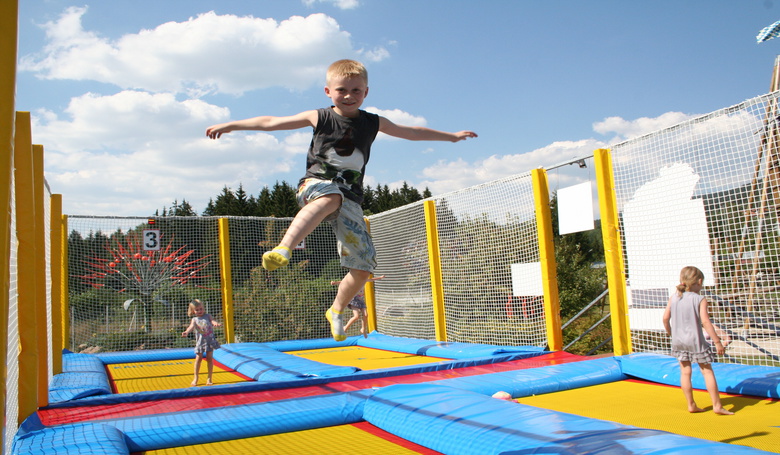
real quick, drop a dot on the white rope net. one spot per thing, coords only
(705, 193)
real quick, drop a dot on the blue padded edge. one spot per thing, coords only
(455, 421)
(449, 350)
(83, 375)
(759, 381)
(264, 364)
(203, 426)
(537, 381)
(72, 363)
(150, 355)
(72, 439)
(305, 345)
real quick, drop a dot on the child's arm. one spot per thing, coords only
(668, 317)
(708, 327)
(264, 123)
(189, 329)
(420, 133)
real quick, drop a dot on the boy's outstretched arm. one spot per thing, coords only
(264, 123)
(420, 133)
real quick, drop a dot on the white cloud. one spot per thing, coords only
(148, 150)
(210, 53)
(461, 174)
(627, 129)
(340, 4)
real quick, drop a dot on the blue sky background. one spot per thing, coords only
(121, 92)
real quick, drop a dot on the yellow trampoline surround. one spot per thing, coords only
(164, 375)
(364, 358)
(756, 422)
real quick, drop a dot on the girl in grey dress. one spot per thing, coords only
(205, 341)
(685, 316)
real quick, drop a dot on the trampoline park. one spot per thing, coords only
(95, 362)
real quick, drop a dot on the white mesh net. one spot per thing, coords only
(705, 193)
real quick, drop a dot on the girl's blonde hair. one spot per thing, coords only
(195, 303)
(347, 68)
(689, 276)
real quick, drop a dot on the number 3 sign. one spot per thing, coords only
(151, 239)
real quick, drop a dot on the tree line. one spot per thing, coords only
(279, 201)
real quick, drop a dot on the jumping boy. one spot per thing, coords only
(332, 189)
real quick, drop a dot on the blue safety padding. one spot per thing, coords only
(264, 364)
(537, 381)
(83, 375)
(151, 355)
(756, 380)
(448, 350)
(73, 386)
(73, 363)
(72, 439)
(455, 421)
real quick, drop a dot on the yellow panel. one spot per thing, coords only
(364, 358)
(164, 375)
(755, 423)
(344, 439)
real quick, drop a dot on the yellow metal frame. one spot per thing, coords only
(64, 285)
(613, 252)
(552, 304)
(370, 294)
(8, 55)
(55, 236)
(226, 273)
(434, 261)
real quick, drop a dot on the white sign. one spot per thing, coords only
(151, 240)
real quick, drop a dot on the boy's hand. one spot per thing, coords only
(463, 135)
(215, 131)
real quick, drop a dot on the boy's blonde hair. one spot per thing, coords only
(195, 303)
(689, 276)
(347, 68)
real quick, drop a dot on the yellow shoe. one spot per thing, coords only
(336, 325)
(273, 259)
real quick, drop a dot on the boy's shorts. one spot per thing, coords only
(356, 250)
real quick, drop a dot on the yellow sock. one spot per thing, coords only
(278, 257)
(336, 324)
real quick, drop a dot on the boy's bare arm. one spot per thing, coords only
(264, 123)
(420, 133)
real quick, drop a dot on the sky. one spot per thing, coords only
(120, 93)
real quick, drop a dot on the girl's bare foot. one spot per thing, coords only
(209, 382)
(695, 409)
(723, 412)
(194, 383)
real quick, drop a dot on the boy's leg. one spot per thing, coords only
(305, 221)
(712, 389)
(686, 386)
(352, 283)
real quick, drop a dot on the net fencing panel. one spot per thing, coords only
(125, 295)
(11, 426)
(485, 232)
(705, 193)
(290, 302)
(404, 305)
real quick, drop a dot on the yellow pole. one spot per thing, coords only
(434, 261)
(40, 277)
(55, 233)
(544, 232)
(613, 252)
(226, 273)
(370, 297)
(26, 287)
(8, 50)
(65, 289)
